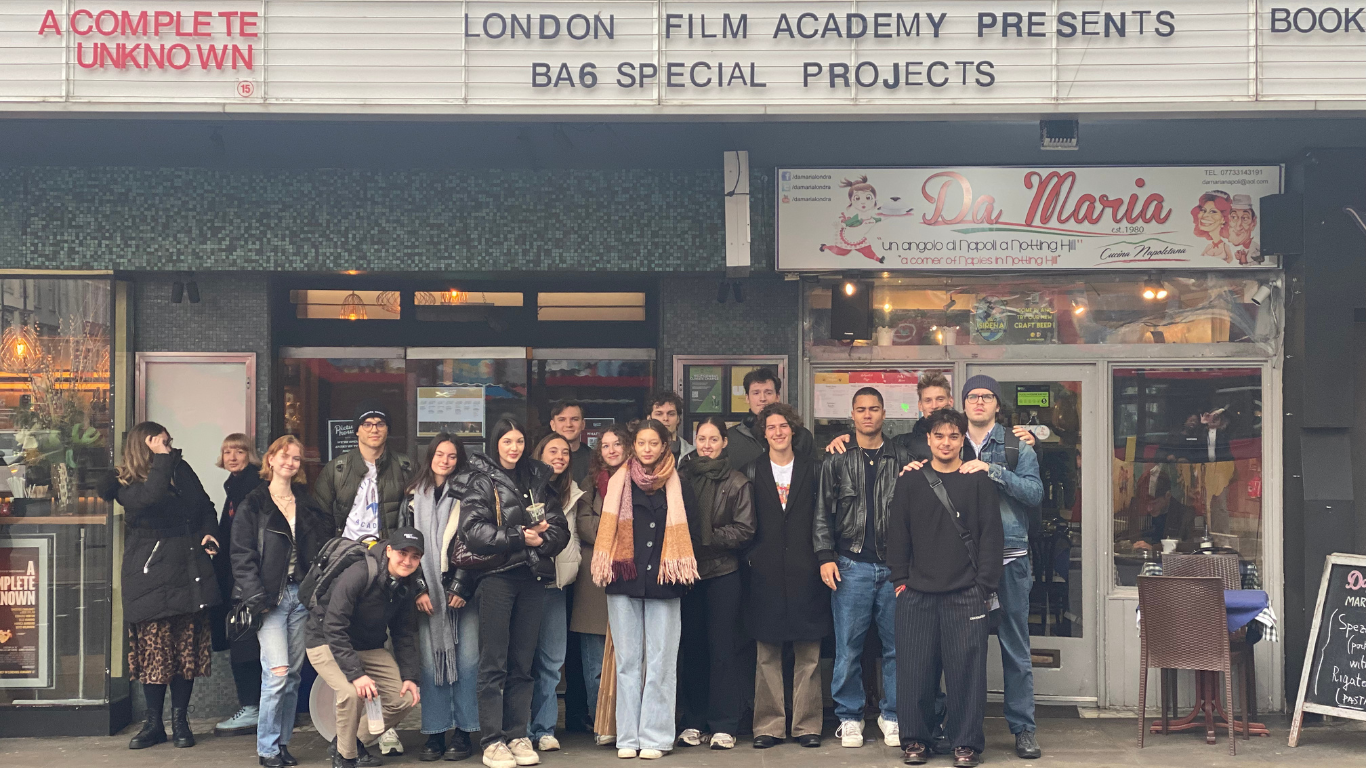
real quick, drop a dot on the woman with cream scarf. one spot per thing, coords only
(644, 558)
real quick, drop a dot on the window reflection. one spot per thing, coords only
(1187, 464)
(1064, 309)
(55, 438)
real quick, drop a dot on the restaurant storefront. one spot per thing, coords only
(1146, 440)
(1144, 337)
(467, 210)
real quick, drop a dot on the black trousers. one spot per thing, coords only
(711, 680)
(510, 606)
(942, 634)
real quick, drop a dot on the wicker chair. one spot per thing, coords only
(1224, 566)
(1185, 626)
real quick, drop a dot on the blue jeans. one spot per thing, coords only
(864, 597)
(1016, 581)
(282, 645)
(545, 671)
(645, 637)
(591, 649)
(454, 705)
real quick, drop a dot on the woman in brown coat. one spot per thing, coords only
(590, 600)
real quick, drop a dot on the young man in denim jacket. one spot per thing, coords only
(1019, 490)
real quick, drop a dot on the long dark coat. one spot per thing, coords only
(166, 571)
(785, 599)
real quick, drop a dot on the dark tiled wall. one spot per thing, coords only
(233, 315)
(695, 324)
(327, 220)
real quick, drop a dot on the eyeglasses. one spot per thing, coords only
(987, 398)
(373, 426)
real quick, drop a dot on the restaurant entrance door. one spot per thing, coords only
(1062, 403)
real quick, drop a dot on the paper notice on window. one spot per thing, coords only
(834, 392)
(458, 411)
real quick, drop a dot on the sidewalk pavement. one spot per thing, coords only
(1066, 742)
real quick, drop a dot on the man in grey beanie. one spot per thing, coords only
(1020, 489)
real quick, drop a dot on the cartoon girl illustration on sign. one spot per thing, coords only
(856, 222)
(1211, 217)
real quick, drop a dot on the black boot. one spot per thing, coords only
(434, 748)
(459, 748)
(153, 731)
(180, 728)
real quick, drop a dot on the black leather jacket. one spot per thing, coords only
(840, 502)
(484, 535)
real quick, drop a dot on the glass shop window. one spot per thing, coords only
(1065, 309)
(1187, 464)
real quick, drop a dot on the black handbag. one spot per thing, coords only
(994, 603)
(465, 560)
(242, 621)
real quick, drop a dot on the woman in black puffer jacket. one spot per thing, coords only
(170, 534)
(495, 495)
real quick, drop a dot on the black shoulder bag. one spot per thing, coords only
(937, 485)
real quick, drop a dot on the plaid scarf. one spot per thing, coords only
(614, 554)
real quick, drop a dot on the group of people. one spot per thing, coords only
(449, 582)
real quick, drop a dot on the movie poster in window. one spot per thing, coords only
(26, 613)
(705, 385)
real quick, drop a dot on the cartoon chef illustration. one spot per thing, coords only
(856, 222)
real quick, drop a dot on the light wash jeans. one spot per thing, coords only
(591, 650)
(453, 705)
(645, 638)
(282, 645)
(545, 671)
(865, 597)
(1016, 581)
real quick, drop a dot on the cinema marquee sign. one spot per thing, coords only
(702, 56)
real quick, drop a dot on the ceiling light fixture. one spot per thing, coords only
(1154, 289)
(353, 307)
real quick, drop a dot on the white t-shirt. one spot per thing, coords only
(364, 517)
(782, 477)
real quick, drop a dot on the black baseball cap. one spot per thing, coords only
(407, 538)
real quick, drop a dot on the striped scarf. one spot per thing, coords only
(614, 553)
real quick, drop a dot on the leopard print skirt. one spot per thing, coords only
(162, 649)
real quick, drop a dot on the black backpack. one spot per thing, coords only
(1012, 446)
(336, 556)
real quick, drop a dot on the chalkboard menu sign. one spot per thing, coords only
(1334, 678)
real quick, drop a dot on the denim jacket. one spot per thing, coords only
(1020, 489)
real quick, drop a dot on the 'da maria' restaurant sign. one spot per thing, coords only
(1192, 217)
(683, 56)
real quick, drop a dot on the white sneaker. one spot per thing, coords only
(522, 752)
(605, 739)
(548, 743)
(626, 754)
(850, 733)
(651, 754)
(690, 737)
(891, 735)
(497, 755)
(722, 741)
(389, 743)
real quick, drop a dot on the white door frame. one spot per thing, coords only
(1082, 677)
(246, 358)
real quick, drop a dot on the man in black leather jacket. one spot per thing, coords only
(850, 538)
